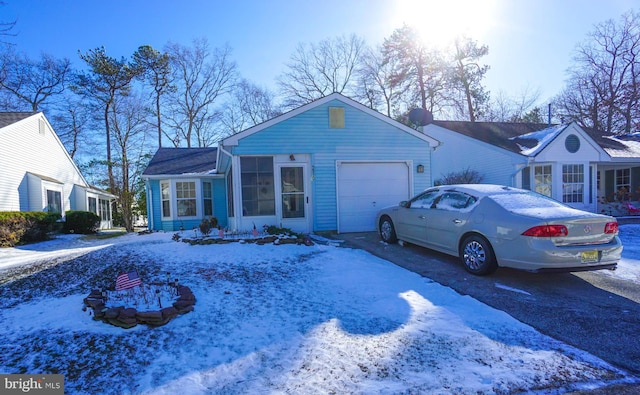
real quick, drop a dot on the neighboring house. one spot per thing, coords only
(37, 173)
(578, 167)
(329, 165)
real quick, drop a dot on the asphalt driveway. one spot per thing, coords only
(594, 312)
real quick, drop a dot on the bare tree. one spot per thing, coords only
(6, 28)
(465, 78)
(33, 82)
(317, 70)
(156, 71)
(248, 105)
(603, 89)
(74, 121)
(503, 108)
(130, 131)
(377, 86)
(202, 77)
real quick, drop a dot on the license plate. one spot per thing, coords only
(589, 256)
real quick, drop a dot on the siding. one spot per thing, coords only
(23, 149)
(459, 152)
(364, 138)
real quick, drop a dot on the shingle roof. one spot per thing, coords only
(522, 138)
(500, 134)
(7, 118)
(177, 161)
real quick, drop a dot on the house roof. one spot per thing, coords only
(234, 139)
(8, 118)
(531, 138)
(182, 161)
(500, 134)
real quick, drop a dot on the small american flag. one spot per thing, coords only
(127, 281)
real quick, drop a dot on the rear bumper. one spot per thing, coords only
(541, 255)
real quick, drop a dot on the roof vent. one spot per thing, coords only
(572, 143)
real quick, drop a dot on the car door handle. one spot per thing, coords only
(457, 221)
(422, 217)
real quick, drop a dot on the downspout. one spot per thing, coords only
(149, 205)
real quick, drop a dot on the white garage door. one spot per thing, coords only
(365, 188)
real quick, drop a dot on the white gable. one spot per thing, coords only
(570, 143)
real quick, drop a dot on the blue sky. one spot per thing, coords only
(530, 42)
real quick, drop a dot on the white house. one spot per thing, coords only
(37, 173)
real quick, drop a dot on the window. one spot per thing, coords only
(425, 200)
(623, 184)
(104, 210)
(258, 196)
(454, 201)
(292, 192)
(93, 205)
(186, 199)
(165, 196)
(207, 198)
(572, 183)
(542, 179)
(572, 143)
(54, 201)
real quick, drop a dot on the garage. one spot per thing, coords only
(365, 187)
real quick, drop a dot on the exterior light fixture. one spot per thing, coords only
(420, 169)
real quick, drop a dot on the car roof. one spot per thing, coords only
(481, 190)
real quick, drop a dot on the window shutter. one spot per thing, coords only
(609, 185)
(635, 183)
(526, 178)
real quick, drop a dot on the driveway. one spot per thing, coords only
(591, 311)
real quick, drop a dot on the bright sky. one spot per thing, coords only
(530, 41)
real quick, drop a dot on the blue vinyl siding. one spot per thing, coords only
(364, 138)
(219, 207)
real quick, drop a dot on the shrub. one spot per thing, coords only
(18, 227)
(82, 222)
(466, 176)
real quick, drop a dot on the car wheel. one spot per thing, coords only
(477, 256)
(387, 231)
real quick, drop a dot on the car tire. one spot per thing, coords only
(387, 230)
(477, 256)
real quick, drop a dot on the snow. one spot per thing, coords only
(276, 319)
(543, 137)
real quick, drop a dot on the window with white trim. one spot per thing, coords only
(54, 201)
(93, 205)
(542, 179)
(258, 192)
(572, 183)
(186, 198)
(165, 197)
(623, 184)
(105, 207)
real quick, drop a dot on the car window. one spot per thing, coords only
(425, 200)
(454, 201)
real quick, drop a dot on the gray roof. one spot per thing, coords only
(7, 118)
(522, 139)
(180, 161)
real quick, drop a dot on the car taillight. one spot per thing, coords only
(611, 227)
(547, 231)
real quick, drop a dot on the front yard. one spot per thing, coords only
(271, 319)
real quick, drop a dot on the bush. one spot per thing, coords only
(466, 176)
(82, 222)
(18, 227)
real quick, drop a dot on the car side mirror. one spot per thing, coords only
(404, 204)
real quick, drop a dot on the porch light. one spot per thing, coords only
(291, 157)
(420, 169)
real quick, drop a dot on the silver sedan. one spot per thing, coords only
(491, 226)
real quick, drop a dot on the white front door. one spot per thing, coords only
(293, 203)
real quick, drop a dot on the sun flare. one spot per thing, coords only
(440, 22)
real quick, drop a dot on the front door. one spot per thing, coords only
(293, 210)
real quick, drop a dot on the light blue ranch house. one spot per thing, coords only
(329, 165)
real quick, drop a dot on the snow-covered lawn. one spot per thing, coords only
(275, 319)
